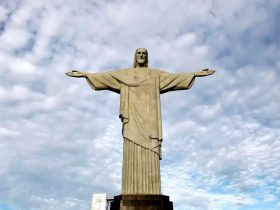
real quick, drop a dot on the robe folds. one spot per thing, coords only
(140, 113)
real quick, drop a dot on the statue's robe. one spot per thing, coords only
(140, 112)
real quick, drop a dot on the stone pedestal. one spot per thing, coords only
(141, 202)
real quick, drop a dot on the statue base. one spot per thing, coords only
(141, 202)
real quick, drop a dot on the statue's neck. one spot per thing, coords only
(141, 65)
(141, 70)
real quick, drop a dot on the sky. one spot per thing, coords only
(60, 141)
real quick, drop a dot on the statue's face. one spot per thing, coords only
(141, 56)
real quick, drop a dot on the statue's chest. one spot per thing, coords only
(140, 94)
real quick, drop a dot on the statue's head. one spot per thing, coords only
(141, 58)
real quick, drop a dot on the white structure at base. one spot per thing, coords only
(99, 202)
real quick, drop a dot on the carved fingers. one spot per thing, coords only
(210, 71)
(75, 73)
(204, 72)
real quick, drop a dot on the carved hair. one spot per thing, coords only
(135, 60)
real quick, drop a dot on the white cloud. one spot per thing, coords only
(22, 66)
(3, 13)
(8, 132)
(14, 39)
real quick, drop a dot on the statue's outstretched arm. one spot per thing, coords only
(76, 73)
(204, 72)
(98, 81)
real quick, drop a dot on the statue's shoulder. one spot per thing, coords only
(129, 71)
(155, 71)
(121, 71)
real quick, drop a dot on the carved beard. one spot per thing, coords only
(141, 61)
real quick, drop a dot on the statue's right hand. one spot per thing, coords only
(75, 73)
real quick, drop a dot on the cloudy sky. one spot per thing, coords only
(60, 142)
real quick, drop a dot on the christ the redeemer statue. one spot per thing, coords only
(140, 88)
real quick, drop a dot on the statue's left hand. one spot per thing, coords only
(204, 72)
(75, 73)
